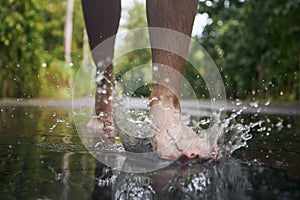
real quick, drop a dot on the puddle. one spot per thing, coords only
(40, 161)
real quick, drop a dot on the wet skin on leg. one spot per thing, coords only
(172, 138)
(102, 21)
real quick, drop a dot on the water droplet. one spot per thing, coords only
(60, 120)
(100, 64)
(238, 102)
(58, 176)
(97, 144)
(279, 124)
(99, 78)
(254, 104)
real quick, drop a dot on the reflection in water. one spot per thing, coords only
(226, 179)
(66, 176)
(33, 162)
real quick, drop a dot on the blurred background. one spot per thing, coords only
(254, 43)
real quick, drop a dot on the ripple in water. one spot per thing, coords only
(132, 145)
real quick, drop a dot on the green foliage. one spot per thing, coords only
(53, 30)
(31, 36)
(21, 48)
(56, 80)
(254, 43)
(256, 46)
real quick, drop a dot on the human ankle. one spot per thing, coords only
(167, 100)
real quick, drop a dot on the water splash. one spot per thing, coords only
(228, 134)
(59, 120)
(221, 135)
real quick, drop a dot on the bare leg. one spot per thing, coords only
(102, 20)
(172, 138)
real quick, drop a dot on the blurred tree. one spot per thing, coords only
(55, 17)
(21, 48)
(68, 31)
(256, 46)
(32, 47)
(64, 62)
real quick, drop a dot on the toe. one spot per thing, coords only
(191, 155)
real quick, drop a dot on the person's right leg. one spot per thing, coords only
(102, 20)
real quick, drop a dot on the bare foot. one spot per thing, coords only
(103, 125)
(172, 138)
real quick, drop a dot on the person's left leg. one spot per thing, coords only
(172, 138)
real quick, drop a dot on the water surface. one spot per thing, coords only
(42, 157)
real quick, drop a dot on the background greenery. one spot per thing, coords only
(254, 43)
(256, 46)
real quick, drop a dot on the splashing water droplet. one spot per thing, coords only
(279, 124)
(100, 64)
(254, 104)
(99, 78)
(60, 120)
(105, 101)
